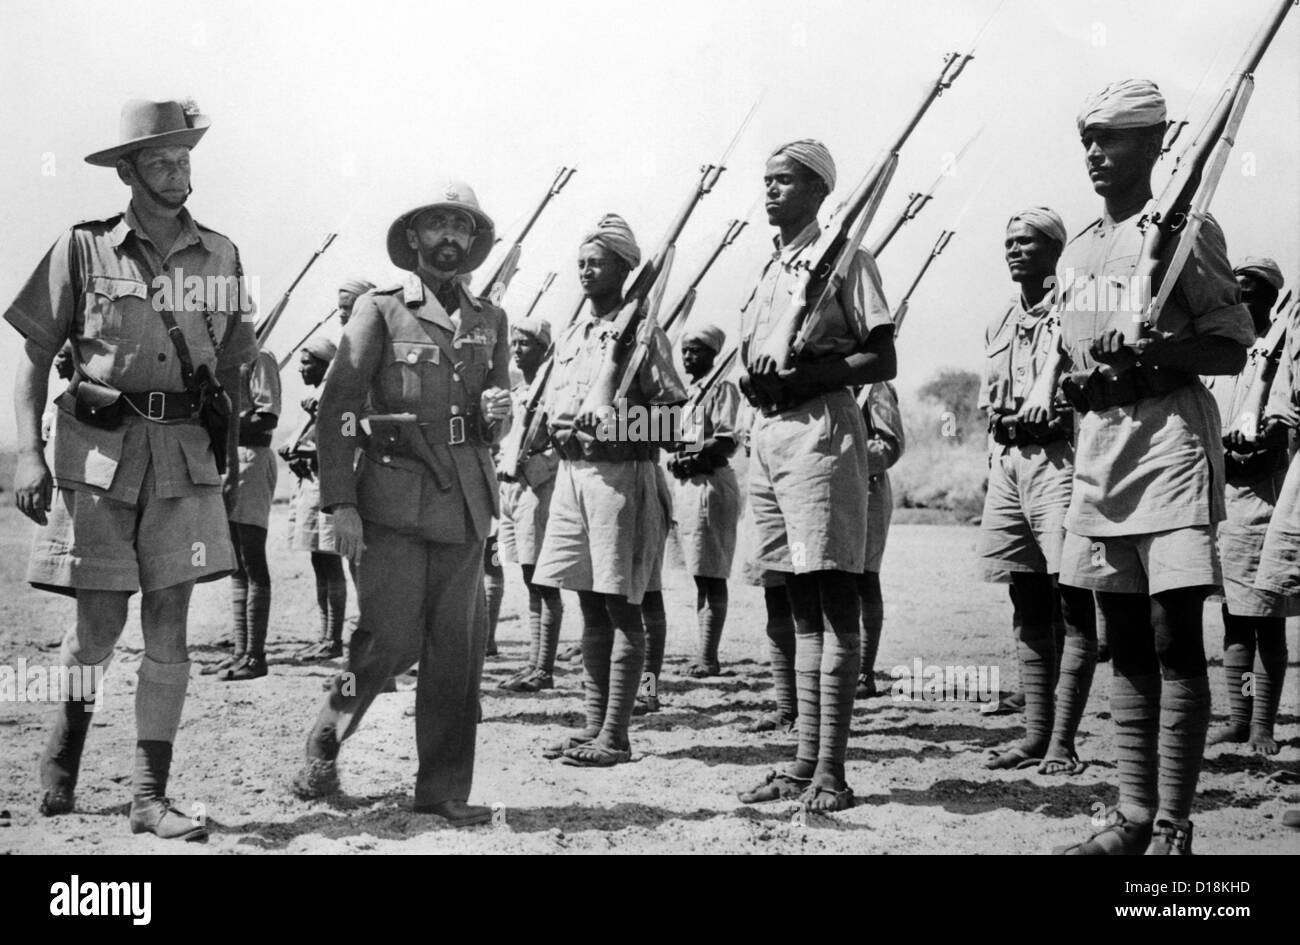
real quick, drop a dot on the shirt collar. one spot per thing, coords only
(129, 222)
(806, 236)
(1027, 318)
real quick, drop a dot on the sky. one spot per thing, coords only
(338, 117)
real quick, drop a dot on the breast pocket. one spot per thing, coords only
(1119, 296)
(109, 300)
(997, 372)
(410, 372)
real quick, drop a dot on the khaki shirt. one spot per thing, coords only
(540, 466)
(99, 286)
(1284, 394)
(1157, 464)
(578, 357)
(716, 415)
(262, 385)
(839, 329)
(1016, 346)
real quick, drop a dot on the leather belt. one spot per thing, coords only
(160, 405)
(248, 438)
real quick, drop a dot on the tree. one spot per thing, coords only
(956, 392)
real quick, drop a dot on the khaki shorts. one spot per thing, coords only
(1279, 564)
(1023, 525)
(607, 530)
(707, 508)
(880, 512)
(808, 487)
(1142, 564)
(257, 476)
(522, 525)
(98, 544)
(310, 529)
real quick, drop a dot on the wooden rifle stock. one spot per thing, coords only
(1250, 421)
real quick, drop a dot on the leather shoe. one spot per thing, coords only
(457, 813)
(58, 800)
(157, 816)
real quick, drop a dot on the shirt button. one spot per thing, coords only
(386, 459)
(454, 410)
(412, 357)
(455, 377)
(457, 343)
(162, 356)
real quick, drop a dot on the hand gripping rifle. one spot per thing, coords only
(835, 249)
(494, 287)
(626, 345)
(267, 324)
(1172, 222)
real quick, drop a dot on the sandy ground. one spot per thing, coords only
(916, 766)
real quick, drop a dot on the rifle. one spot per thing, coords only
(1171, 222)
(625, 347)
(515, 446)
(494, 287)
(939, 246)
(681, 311)
(267, 324)
(303, 340)
(1250, 420)
(917, 201)
(546, 284)
(836, 248)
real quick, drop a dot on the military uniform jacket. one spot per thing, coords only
(403, 352)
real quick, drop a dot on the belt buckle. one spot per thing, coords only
(162, 406)
(457, 429)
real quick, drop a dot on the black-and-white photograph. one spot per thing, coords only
(699, 427)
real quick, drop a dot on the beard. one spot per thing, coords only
(445, 257)
(167, 202)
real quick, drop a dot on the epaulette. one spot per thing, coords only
(386, 290)
(1087, 229)
(108, 222)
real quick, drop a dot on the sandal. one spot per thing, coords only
(565, 744)
(1066, 766)
(592, 754)
(1120, 837)
(772, 722)
(1016, 758)
(776, 786)
(824, 800)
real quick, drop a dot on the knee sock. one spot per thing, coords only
(239, 611)
(259, 618)
(323, 604)
(549, 622)
(1238, 660)
(625, 665)
(1184, 718)
(494, 586)
(534, 618)
(1270, 672)
(805, 606)
(781, 651)
(1135, 708)
(597, 646)
(159, 700)
(1036, 650)
(711, 601)
(336, 596)
(61, 760)
(873, 618)
(655, 623)
(841, 665)
(1078, 662)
